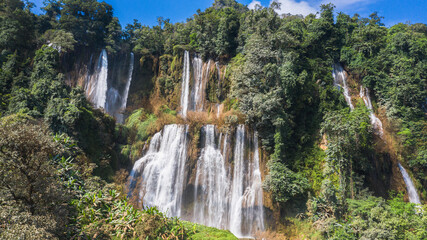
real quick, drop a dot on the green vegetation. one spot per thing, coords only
(376, 218)
(200, 232)
(60, 159)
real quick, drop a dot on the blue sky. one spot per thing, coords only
(147, 11)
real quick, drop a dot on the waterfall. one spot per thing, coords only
(201, 76)
(340, 80)
(375, 121)
(246, 199)
(194, 99)
(96, 88)
(412, 191)
(185, 88)
(126, 92)
(253, 198)
(218, 69)
(115, 102)
(210, 207)
(162, 170)
(225, 196)
(124, 98)
(102, 96)
(218, 110)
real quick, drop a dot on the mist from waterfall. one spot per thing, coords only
(340, 80)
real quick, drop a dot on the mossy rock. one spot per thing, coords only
(200, 232)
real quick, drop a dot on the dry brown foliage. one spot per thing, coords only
(270, 235)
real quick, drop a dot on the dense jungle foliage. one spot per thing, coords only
(62, 162)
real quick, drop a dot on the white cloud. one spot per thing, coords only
(294, 7)
(340, 4)
(253, 4)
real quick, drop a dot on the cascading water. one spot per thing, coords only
(254, 211)
(211, 204)
(162, 170)
(167, 176)
(412, 191)
(375, 121)
(113, 100)
(185, 87)
(218, 69)
(124, 98)
(101, 95)
(340, 80)
(126, 92)
(201, 75)
(96, 88)
(194, 100)
(246, 213)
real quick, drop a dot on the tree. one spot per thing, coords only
(26, 174)
(349, 141)
(60, 40)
